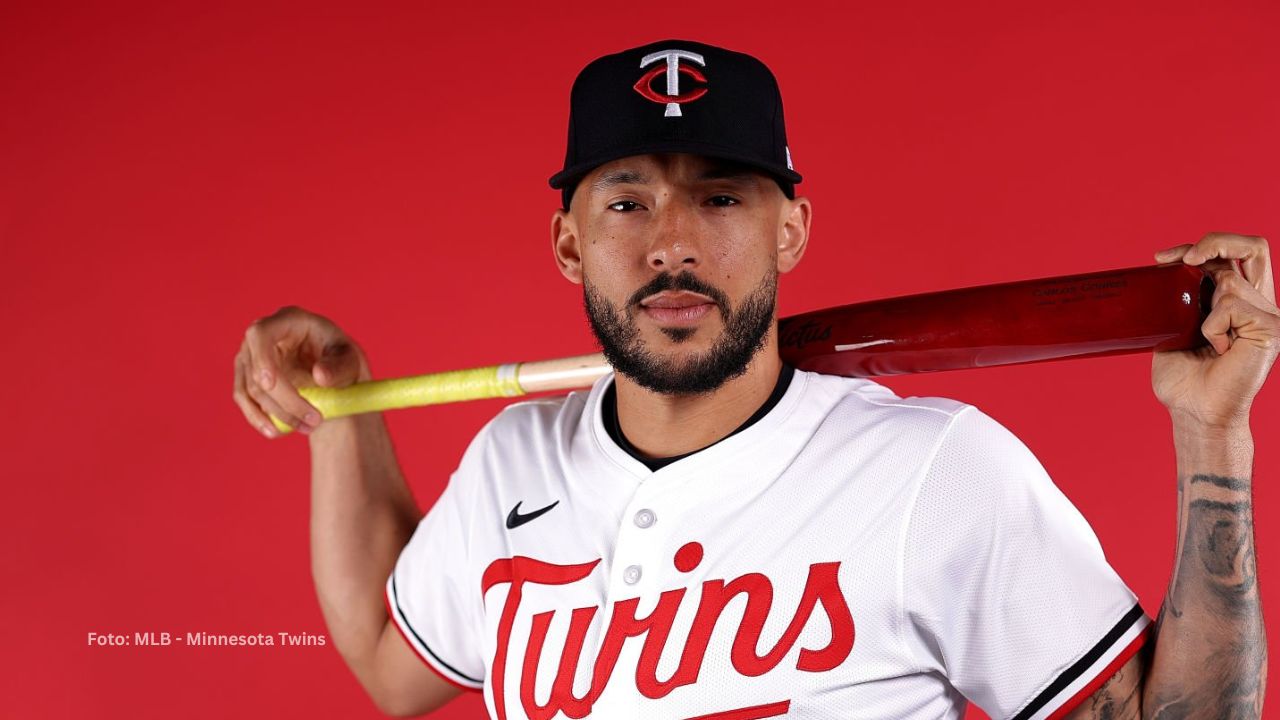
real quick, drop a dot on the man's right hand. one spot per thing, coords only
(362, 512)
(288, 349)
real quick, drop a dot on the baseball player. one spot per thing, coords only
(708, 533)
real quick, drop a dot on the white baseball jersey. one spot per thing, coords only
(852, 554)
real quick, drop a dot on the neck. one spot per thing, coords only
(666, 425)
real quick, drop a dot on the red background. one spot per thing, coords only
(170, 171)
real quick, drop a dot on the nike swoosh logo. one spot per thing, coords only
(515, 519)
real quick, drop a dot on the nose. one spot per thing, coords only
(675, 245)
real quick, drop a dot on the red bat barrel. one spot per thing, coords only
(1156, 307)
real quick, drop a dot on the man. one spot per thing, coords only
(708, 533)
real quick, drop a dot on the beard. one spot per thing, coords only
(745, 330)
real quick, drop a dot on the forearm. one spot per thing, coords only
(1210, 644)
(362, 515)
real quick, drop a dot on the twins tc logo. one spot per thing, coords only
(672, 68)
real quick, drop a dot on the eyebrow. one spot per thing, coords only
(619, 177)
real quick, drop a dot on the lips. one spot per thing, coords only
(677, 308)
(676, 300)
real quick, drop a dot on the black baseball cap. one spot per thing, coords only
(676, 96)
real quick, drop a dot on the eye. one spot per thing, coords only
(625, 206)
(722, 201)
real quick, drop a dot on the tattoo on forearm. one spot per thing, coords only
(1119, 698)
(1218, 670)
(1230, 685)
(1224, 544)
(1220, 481)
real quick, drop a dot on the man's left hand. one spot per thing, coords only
(1213, 387)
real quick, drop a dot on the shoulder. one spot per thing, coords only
(538, 417)
(956, 443)
(528, 428)
(982, 480)
(961, 424)
(859, 406)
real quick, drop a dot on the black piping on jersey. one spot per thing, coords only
(609, 413)
(1074, 672)
(395, 602)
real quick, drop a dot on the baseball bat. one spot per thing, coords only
(1158, 307)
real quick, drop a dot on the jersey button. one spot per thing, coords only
(645, 518)
(631, 575)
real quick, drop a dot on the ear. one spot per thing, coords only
(793, 235)
(566, 246)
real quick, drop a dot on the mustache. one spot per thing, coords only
(686, 281)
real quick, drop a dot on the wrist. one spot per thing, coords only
(1213, 424)
(345, 427)
(1196, 427)
(1212, 447)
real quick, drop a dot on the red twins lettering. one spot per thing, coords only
(821, 588)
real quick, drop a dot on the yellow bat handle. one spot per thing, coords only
(432, 389)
